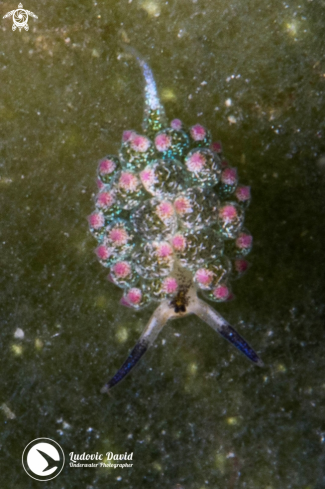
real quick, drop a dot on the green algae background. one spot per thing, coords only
(195, 413)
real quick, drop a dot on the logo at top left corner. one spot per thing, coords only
(43, 459)
(20, 18)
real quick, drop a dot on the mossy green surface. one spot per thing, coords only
(195, 413)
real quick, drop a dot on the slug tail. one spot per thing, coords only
(154, 112)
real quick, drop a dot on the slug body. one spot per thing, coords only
(169, 224)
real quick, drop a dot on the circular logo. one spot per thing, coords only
(43, 459)
(20, 18)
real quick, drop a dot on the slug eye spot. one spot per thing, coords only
(180, 301)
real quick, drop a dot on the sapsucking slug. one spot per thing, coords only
(169, 222)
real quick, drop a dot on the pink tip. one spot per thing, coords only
(164, 250)
(182, 205)
(105, 199)
(118, 236)
(121, 269)
(228, 213)
(140, 143)
(176, 124)
(103, 252)
(179, 242)
(100, 184)
(241, 265)
(124, 301)
(216, 147)
(244, 241)
(110, 278)
(221, 292)
(229, 176)
(106, 166)
(243, 193)
(198, 132)
(169, 285)
(195, 162)
(128, 135)
(134, 296)
(128, 182)
(96, 220)
(147, 176)
(163, 142)
(165, 210)
(204, 277)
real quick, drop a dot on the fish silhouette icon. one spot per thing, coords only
(51, 463)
